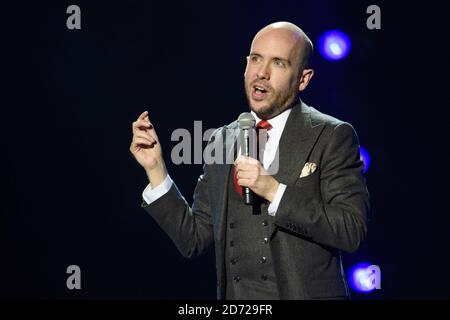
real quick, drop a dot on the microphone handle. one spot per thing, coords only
(248, 194)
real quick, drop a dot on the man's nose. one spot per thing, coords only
(264, 72)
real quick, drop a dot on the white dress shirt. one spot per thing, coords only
(278, 123)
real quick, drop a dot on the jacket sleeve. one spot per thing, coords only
(190, 228)
(330, 206)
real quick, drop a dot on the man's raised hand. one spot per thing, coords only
(146, 149)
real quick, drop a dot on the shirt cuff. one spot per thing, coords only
(273, 207)
(152, 194)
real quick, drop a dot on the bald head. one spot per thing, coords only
(302, 45)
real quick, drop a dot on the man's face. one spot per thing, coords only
(272, 73)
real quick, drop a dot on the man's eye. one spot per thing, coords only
(254, 58)
(279, 63)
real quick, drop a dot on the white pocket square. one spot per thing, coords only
(309, 168)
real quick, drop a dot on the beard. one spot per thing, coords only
(276, 103)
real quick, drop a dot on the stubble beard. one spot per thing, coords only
(276, 104)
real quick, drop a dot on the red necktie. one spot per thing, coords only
(263, 124)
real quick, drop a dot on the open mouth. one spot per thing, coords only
(259, 92)
(259, 89)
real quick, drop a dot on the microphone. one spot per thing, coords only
(246, 122)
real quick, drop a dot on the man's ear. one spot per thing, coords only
(305, 78)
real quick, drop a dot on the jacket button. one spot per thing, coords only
(236, 278)
(231, 225)
(264, 223)
(266, 240)
(233, 261)
(262, 259)
(264, 277)
(231, 243)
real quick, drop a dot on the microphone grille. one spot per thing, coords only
(246, 121)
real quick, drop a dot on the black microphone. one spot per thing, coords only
(246, 122)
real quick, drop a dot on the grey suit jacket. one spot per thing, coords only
(318, 217)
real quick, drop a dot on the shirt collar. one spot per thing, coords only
(278, 122)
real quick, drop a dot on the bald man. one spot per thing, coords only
(288, 243)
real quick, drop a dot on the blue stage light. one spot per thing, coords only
(365, 158)
(365, 277)
(334, 45)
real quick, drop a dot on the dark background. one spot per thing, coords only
(71, 191)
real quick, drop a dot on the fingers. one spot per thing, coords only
(246, 174)
(247, 170)
(247, 181)
(244, 160)
(244, 163)
(141, 125)
(144, 126)
(141, 142)
(145, 135)
(143, 115)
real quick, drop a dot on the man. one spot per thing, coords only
(311, 209)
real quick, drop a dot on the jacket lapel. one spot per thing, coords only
(296, 142)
